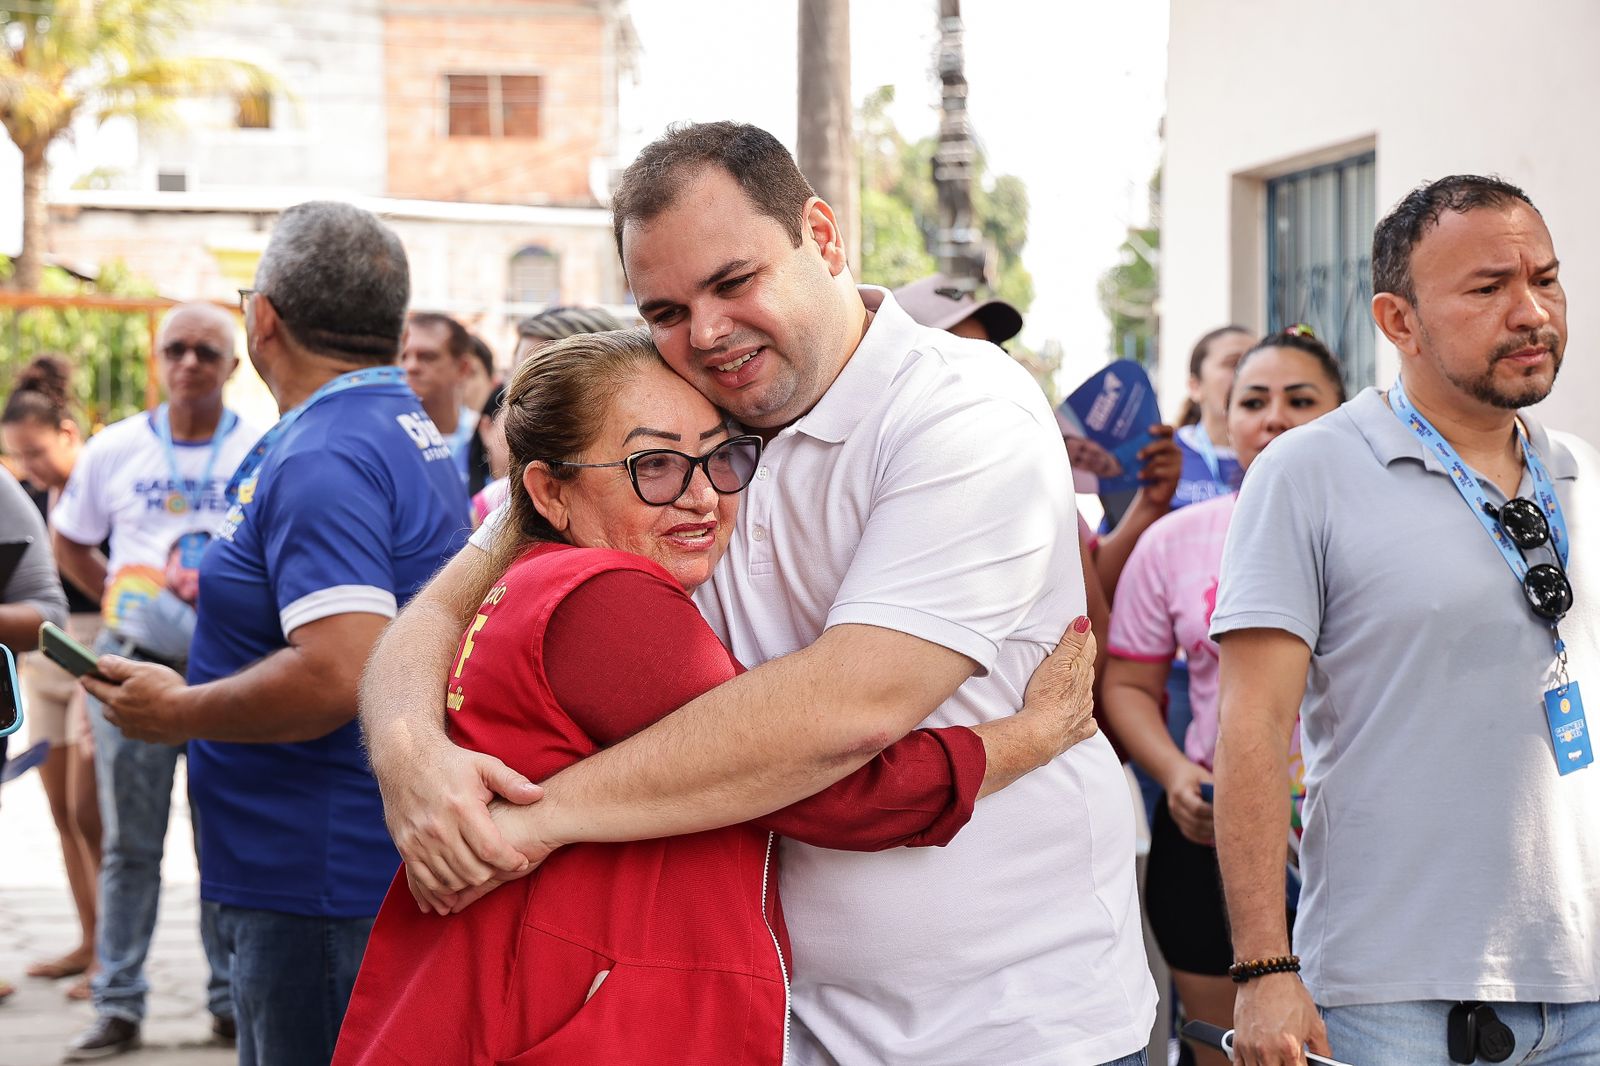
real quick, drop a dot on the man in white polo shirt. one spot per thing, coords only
(1420, 567)
(909, 539)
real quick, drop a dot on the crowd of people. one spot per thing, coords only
(724, 689)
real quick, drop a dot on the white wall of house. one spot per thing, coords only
(328, 129)
(206, 246)
(1261, 88)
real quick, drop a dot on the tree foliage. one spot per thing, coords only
(900, 208)
(1130, 289)
(109, 350)
(62, 59)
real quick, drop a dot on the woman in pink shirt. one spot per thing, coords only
(1164, 603)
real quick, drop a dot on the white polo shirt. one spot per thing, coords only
(928, 492)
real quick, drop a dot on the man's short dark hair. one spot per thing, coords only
(457, 340)
(1398, 234)
(753, 157)
(482, 353)
(339, 280)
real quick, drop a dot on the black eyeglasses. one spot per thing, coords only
(244, 299)
(1545, 585)
(660, 475)
(174, 351)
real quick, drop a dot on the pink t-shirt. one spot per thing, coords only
(1164, 601)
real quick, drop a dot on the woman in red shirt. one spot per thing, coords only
(624, 483)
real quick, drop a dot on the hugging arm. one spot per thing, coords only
(919, 791)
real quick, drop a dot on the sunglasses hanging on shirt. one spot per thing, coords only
(1518, 527)
(1545, 585)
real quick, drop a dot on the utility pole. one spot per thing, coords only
(962, 257)
(827, 140)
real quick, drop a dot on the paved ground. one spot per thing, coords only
(37, 921)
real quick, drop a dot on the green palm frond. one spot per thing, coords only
(105, 58)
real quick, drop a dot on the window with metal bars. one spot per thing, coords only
(1319, 259)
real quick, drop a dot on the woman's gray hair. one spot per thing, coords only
(338, 278)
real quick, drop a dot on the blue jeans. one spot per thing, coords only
(1138, 1058)
(1413, 1033)
(292, 977)
(135, 781)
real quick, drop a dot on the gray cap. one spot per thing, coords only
(934, 301)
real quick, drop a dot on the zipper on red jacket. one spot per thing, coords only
(783, 967)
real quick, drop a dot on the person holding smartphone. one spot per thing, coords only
(1164, 604)
(31, 595)
(42, 433)
(146, 482)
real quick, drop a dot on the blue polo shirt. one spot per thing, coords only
(355, 507)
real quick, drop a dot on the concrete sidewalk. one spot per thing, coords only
(37, 921)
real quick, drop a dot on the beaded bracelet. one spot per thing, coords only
(1244, 971)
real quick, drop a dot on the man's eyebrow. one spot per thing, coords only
(722, 272)
(717, 276)
(1507, 271)
(646, 431)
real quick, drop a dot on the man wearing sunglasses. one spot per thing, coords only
(905, 552)
(1413, 577)
(146, 484)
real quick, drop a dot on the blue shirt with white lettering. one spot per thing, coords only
(356, 506)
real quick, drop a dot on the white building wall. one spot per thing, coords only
(1259, 88)
(328, 128)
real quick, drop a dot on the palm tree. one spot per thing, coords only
(60, 59)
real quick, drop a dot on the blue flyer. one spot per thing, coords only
(1112, 412)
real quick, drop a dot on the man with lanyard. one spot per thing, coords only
(336, 517)
(148, 483)
(1420, 567)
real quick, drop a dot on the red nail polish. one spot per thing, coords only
(1081, 624)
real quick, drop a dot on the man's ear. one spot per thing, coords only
(267, 323)
(1398, 319)
(819, 223)
(549, 495)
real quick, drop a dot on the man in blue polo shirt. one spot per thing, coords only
(338, 516)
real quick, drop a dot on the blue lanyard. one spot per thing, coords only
(180, 499)
(1472, 492)
(1196, 437)
(1208, 452)
(376, 375)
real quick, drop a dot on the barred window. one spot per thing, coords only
(1319, 259)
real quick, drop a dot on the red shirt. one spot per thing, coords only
(657, 951)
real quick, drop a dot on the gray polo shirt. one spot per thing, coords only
(1444, 857)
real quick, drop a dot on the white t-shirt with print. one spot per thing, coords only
(122, 488)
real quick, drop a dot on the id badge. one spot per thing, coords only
(191, 546)
(1569, 729)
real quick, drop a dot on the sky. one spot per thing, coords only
(1066, 95)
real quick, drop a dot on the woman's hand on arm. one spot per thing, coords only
(1057, 712)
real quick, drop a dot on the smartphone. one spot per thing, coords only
(65, 652)
(1208, 791)
(11, 698)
